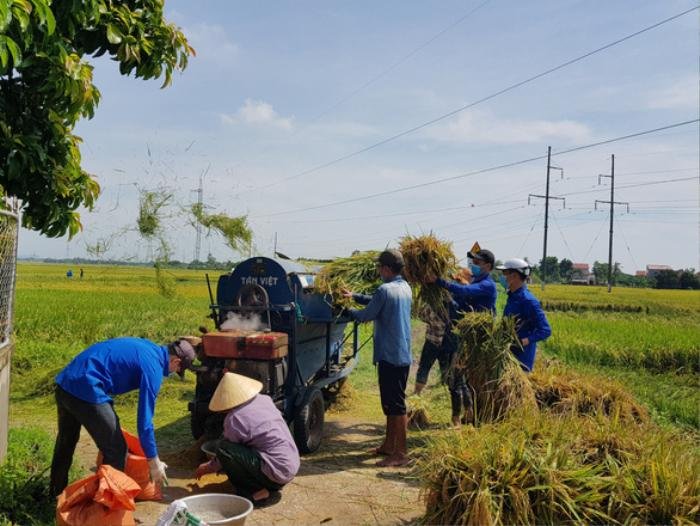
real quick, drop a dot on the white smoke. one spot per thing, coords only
(243, 322)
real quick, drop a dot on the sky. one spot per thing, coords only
(311, 118)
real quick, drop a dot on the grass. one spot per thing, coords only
(24, 479)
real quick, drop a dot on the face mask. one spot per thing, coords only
(503, 281)
(476, 269)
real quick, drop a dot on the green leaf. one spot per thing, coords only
(3, 54)
(14, 51)
(114, 36)
(5, 15)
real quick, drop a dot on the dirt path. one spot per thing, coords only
(339, 484)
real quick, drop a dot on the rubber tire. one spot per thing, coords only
(308, 422)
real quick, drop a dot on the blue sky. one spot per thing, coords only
(277, 89)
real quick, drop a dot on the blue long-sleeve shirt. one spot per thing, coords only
(117, 366)
(390, 309)
(479, 295)
(530, 323)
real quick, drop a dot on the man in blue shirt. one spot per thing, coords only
(83, 396)
(390, 309)
(479, 295)
(531, 324)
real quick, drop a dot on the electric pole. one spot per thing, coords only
(547, 197)
(612, 204)
(200, 207)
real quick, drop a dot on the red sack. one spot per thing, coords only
(137, 468)
(105, 498)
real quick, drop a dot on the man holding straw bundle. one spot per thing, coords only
(479, 295)
(390, 309)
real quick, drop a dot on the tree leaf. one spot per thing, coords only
(5, 15)
(14, 51)
(114, 36)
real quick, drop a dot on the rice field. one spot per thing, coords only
(651, 356)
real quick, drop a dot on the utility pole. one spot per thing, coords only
(200, 206)
(547, 197)
(612, 204)
(274, 252)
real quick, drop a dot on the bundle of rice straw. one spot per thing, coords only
(428, 257)
(357, 273)
(498, 383)
(560, 391)
(417, 412)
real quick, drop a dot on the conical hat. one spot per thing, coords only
(232, 391)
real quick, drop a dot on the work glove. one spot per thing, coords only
(157, 469)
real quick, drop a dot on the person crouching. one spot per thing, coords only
(257, 451)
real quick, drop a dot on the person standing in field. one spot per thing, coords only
(479, 295)
(436, 326)
(84, 390)
(531, 324)
(257, 451)
(390, 309)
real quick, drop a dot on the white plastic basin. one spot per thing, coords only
(219, 509)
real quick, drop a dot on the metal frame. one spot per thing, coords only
(294, 382)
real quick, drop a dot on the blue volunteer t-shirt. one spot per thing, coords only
(117, 366)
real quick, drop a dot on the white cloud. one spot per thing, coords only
(258, 112)
(211, 43)
(682, 94)
(482, 127)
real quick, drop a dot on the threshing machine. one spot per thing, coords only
(298, 354)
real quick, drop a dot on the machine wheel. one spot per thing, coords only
(308, 422)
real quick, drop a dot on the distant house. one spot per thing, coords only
(581, 274)
(653, 270)
(640, 274)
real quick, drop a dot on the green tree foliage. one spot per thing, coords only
(551, 268)
(688, 279)
(46, 87)
(666, 279)
(566, 269)
(600, 271)
(676, 279)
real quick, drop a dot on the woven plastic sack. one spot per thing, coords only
(137, 468)
(105, 498)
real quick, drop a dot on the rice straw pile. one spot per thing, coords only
(563, 392)
(498, 384)
(417, 412)
(539, 468)
(357, 273)
(428, 257)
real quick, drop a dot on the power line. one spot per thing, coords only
(479, 101)
(374, 79)
(477, 172)
(636, 185)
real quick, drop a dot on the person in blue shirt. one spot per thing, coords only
(479, 295)
(84, 390)
(531, 324)
(390, 309)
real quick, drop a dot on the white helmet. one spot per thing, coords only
(520, 265)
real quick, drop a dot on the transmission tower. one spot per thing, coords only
(200, 206)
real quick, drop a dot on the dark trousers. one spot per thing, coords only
(460, 393)
(101, 422)
(242, 466)
(428, 355)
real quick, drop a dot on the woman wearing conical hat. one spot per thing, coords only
(257, 451)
